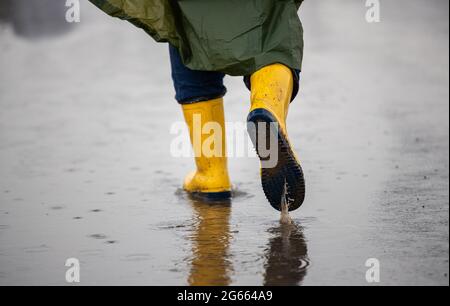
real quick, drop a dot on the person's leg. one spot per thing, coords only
(272, 89)
(200, 94)
(193, 86)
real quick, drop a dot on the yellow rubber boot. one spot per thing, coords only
(281, 173)
(272, 88)
(206, 122)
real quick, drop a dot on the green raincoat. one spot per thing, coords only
(236, 37)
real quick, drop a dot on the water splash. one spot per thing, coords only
(285, 218)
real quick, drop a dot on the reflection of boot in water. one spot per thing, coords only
(210, 264)
(287, 258)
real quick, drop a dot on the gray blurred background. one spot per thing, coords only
(86, 171)
(35, 18)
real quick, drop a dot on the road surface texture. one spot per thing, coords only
(87, 171)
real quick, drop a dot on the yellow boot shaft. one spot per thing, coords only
(206, 122)
(271, 89)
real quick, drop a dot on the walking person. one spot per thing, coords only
(260, 40)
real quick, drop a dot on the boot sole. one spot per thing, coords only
(211, 196)
(287, 173)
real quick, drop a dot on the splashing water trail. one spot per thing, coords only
(285, 218)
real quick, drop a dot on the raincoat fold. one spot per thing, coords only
(236, 37)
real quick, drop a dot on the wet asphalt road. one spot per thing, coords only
(86, 169)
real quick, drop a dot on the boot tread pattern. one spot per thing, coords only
(287, 172)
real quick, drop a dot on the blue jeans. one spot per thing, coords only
(193, 86)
